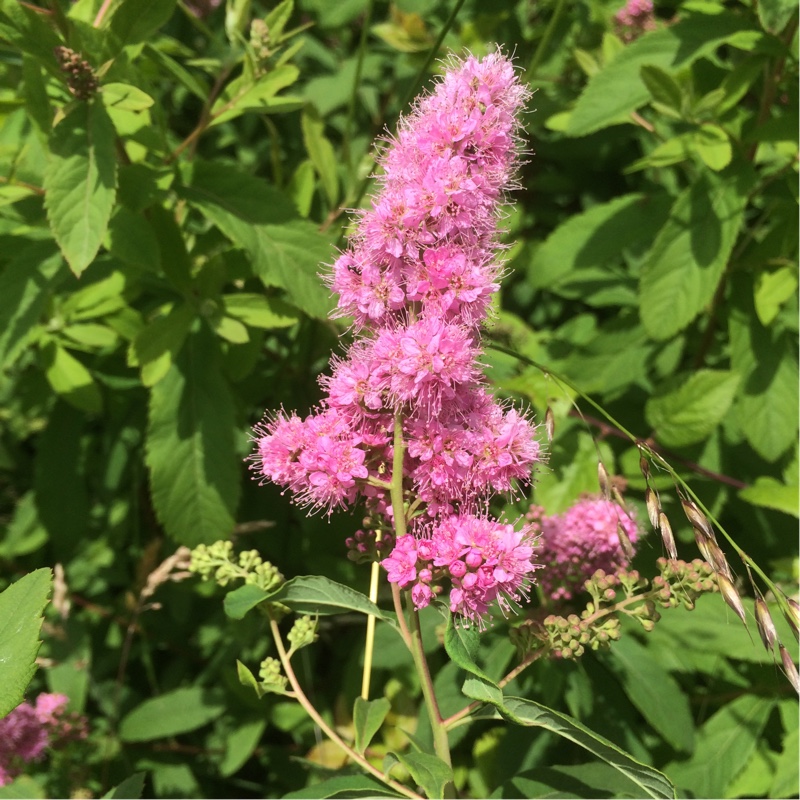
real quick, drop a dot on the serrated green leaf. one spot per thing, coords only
(771, 493)
(654, 692)
(774, 15)
(285, 250)
(80, 182)
(662, 86)
(21, 607)
(688, 257)
(787, 771)
(245, 94)
(137, 20)
(344, 786)
(172, 713)
(724, 745)
(321, 152)
(238, 602)
(690, 412)
(133, 241)
(462, 644)
(368, 716)
(315, 594)
(130, 789)
(773, 289)
(526, 712)
(595, 237)
(70, 379)
(190, 452)
(259, 311)
(429, 772)
(25, 284)
(618, 89)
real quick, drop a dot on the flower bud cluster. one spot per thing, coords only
(28, 731)
(217, 562)
(81, 80)
(366, 546)
(417, 281)
(272, 678)
(302, 634)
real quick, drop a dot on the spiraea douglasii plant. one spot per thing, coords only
(527, 351)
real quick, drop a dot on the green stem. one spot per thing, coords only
(544, 42)
(329, 732)
(396, 491)
(351, 108)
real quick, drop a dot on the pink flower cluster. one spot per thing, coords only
(635, 18)
(484, 560)
(575, 544)
(29, 730)
(417, 280)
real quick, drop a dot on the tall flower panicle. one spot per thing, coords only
(582, 540)
(417, 279)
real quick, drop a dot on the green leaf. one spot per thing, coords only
(240, 744)
(654, 692)
(25, 284)
(482, 690)
(462, 644)
(182, 75)
(690, 412)
(429, 772)
(662, 86)
(133, 241)
(689, 255)
(70, 379)
(80, 182)
(137, 20)
(285, 250)
(315, 594)
(773, 289)
(725, 743)
(767, 362)
(344, 786)
(190, 452)
(246, 677)
(238, 602)
(787, 777)
(259, 311)
(157, 345)
(526, 712)
(596, 237)
(774, 15)
(713, 146)
(124, 97)
(321, 152)
(130, 789)
(172, 713)
(368, 716)
(612, 94)
(771, 493)
(21, 607)
(244, 94)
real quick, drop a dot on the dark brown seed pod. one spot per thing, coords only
(766, 626)
(789, 668)
(667, 537)
(730, 595)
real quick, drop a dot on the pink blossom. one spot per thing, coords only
(635, 18)
(580, 541)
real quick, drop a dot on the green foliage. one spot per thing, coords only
(166, 209)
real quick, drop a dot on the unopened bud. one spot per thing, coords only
(730, 595)
(666, 536)
(766, 627)
(302, 634)
(789, 668)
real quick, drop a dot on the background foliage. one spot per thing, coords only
(160, 244)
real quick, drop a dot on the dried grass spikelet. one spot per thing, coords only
(61, 601)
(604, 480)
(730, 595)
(625, 542)
(653, 506)
(793, 615)
(173, 568)
(789, 668)
(666, 536)
(765, 624)
(717, 559)
(549, 423)
(644, 466)
(697, 518)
